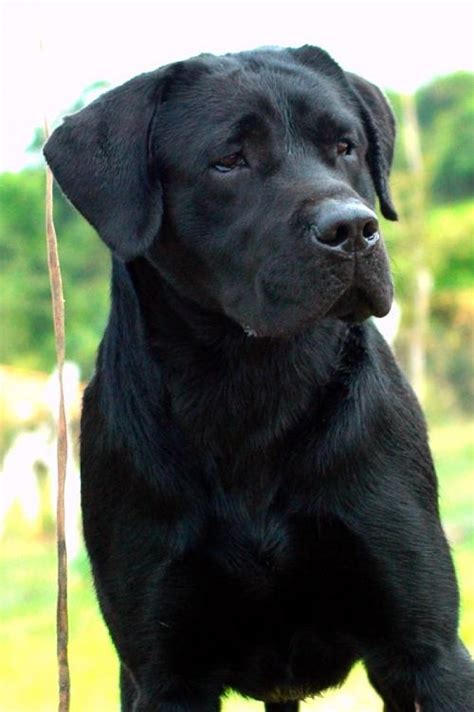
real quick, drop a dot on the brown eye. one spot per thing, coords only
(344, 148)
(228, 163)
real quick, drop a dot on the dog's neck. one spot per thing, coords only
(218, 383)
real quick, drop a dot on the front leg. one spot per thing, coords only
(166, 621)
(444, 684)
(177, 702)
(157, 589)
(152, 688)
(150, 697)
(132, 700)
(172, 659)
(447, 684)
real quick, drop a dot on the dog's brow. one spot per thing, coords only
(249, 126)
(315, 106)
(329, 126)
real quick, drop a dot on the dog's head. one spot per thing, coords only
(248, 180)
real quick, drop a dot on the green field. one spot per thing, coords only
(27, 608)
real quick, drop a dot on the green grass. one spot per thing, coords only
(27, 609)
(453, 446)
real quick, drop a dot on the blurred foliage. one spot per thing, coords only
(25, 305)
(446, 112)
(436, 234)
(446, 115)
(445, 109)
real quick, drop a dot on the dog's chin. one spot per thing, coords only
(356, 305)
(283, 324)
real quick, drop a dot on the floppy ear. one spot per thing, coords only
(380, 126)
(100, 158)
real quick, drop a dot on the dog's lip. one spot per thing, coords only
(275, 328)
(352, 305)
(353, 299)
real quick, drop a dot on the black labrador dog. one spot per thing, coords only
(259, 500)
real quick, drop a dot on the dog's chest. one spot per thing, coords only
(281, 578)
(274, 547)
(250, 542)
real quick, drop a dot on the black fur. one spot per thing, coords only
(259, 500)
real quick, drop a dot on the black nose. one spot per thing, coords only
(348, 226)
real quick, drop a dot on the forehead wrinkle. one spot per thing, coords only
(310, 106)
(327, 118)
(274, 97)
(287, 120)
(253, 109)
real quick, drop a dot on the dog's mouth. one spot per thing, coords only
(355, 304)
(353, 307)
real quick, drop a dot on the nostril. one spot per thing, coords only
(370, 229)
(343, 233)
(348, 231)
(336, 235)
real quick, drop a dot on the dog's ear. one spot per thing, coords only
(101, 160)
(380, 126)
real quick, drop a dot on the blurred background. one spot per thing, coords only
(421, 54)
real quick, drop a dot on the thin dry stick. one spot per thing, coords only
(58, 319)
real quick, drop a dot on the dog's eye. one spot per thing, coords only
(344, 147)
(228, 163)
